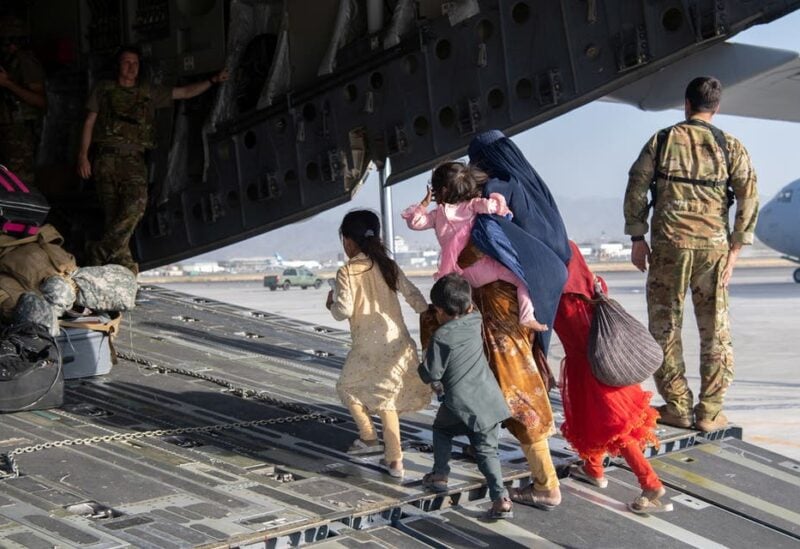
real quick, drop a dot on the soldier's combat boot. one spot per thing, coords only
(670, 418)
(707, 424)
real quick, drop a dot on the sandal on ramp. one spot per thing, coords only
(650, 502)
(528, 496)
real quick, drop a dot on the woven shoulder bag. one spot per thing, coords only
(621, 350)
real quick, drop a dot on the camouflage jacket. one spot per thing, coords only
(691, 215)
(24, 69)
(126, 116)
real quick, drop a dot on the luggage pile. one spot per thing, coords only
(58, 319)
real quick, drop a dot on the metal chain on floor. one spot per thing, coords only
(12, 469)
(305, 414)
(243, 392)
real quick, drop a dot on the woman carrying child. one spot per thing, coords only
(534, 246)
(513, 352)
(457, 189)
(380, 372)
(600, 419)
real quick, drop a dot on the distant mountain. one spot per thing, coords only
(589, 220)
(592, 219)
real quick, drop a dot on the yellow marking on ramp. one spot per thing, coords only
(714, 486)
(662, 526)
(763, 468)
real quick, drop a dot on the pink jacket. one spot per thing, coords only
(453, 225)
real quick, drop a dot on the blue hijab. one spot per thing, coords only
(534, 244)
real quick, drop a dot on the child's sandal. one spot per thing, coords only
(432, 482)
(650, 502)
(644, 506)
(499, 510)
(365, 447)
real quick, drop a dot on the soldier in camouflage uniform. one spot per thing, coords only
(22, 99)
(123, 112)
(692, 247)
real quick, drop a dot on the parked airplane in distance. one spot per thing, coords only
(779, 224)
(307, 263)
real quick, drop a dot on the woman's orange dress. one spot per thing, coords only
(510, 355)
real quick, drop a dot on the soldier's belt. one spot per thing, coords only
(126, 150)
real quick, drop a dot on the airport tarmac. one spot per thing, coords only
(764, 398)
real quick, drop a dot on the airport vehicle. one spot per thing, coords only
(221, 426)
(779, 224)
(294, 276)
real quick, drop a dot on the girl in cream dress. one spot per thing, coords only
(380, 372)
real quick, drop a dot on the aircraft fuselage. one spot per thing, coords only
(779, 221)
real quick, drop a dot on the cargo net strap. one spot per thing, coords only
(10, 468)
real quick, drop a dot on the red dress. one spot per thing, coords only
(599, 419)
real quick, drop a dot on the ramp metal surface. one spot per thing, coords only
(222, 428)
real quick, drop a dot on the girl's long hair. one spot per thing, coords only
(364, 228)
(454, 182)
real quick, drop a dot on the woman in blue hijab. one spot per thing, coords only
(534, 246)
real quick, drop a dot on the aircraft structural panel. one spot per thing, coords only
(321, 90)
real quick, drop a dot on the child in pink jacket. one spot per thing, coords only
(456, 188)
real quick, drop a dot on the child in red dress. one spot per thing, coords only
(601, 419)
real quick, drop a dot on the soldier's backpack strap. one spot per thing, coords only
(719, 137)
(661, 138)
(722, 143)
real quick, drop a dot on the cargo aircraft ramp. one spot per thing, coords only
(220, 427)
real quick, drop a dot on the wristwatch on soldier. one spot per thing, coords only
(638, 238)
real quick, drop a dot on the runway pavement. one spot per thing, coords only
(765, 396)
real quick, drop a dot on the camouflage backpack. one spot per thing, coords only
(722, 143)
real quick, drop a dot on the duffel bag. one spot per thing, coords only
(105, 288)
(621, 350)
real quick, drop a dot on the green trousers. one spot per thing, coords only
(673, 271)
(121, 181)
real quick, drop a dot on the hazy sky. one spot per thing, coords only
(586, 153)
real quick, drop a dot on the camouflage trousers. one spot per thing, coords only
(672, 272)
(121, 181)
(18, 150)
